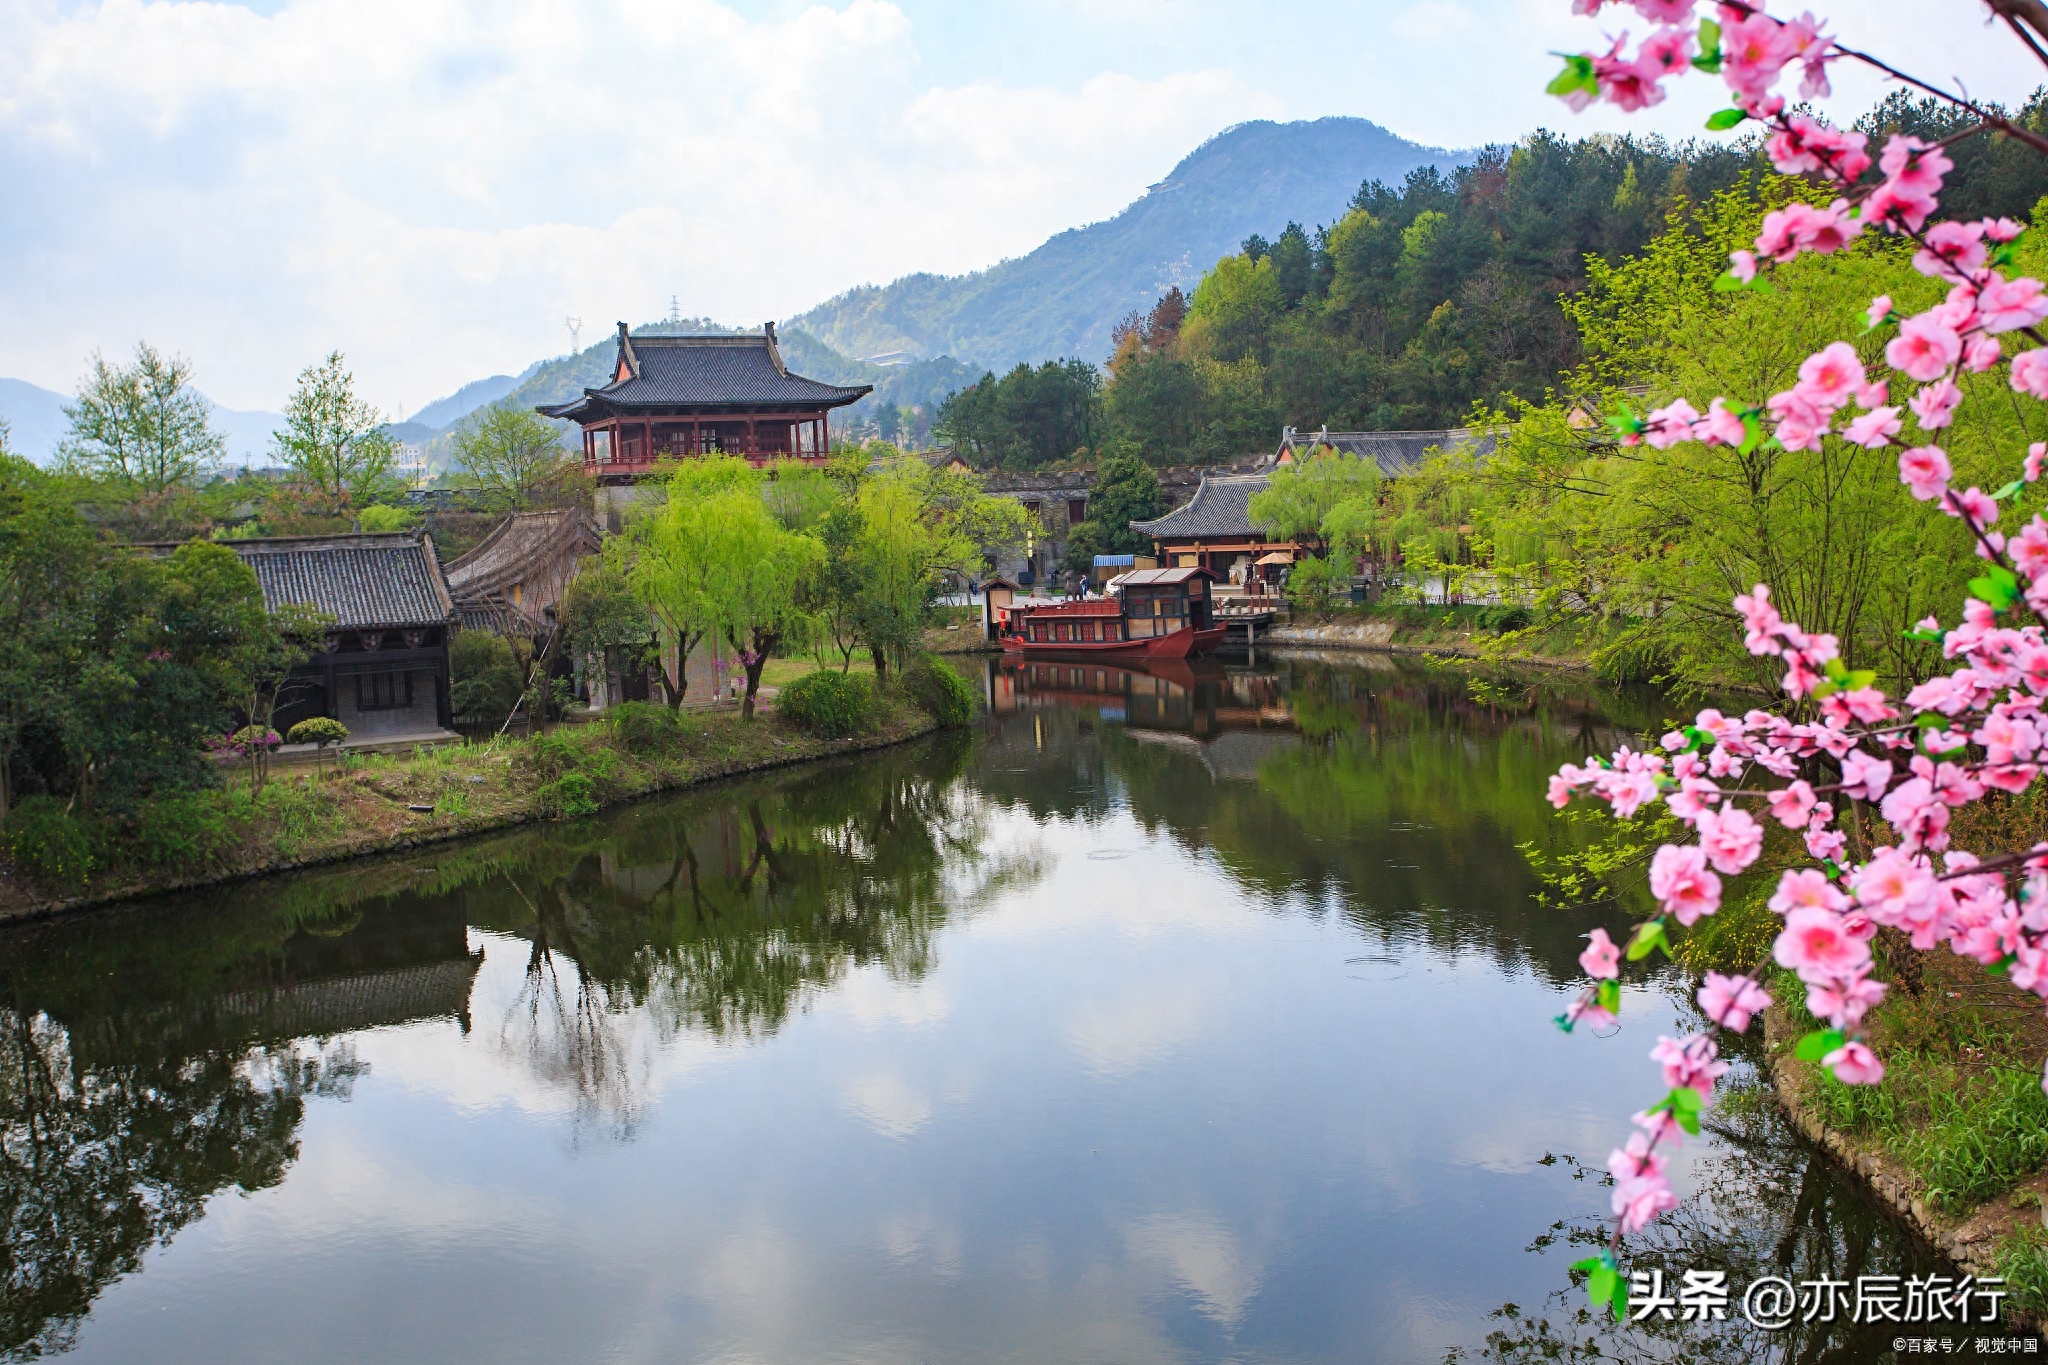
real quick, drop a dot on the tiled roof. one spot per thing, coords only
(361, 580)
(1395, 452)
(707, 374)
(518, 547)
(1148, 578)
(1220, 507)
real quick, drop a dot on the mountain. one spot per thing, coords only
(1063, 298)
(37, 424)
(446, 412)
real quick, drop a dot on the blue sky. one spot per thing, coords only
(432, 186)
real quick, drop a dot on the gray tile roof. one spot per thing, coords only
(361, 580)
(519, 547)
(1219, 508)
(1396, 452)
(706, 374)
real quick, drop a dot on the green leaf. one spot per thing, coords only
(1577, 75)
(1930, 720)
(1608, 996)
(1818, 1044)
(1709, 59)
(1823, 690)
(1728, 282)
(1625, 422)
(1590, 1263)
(1752, 432)
(1859, 679)
(1836, 671)
(1929, 637)
(2009, 490)
(1685, 1099)
(2002, 966)
(1649, 937)
(1700, 739)
(1601, 1284)
(1690, 1122)
(1997, 586)
(2003, 255)
(1722, 120)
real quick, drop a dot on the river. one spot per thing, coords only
(1192, 1017)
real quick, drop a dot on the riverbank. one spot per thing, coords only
(1435, 632)
(361, 805)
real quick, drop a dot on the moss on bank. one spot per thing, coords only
(364, 804)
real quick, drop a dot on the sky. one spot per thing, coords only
(434, 186)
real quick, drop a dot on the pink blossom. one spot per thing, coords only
(1665, 11)
(1925, 471)
(1641, 1190)
(1843, 1004)
(1761, 619)
(1806, 889)
(1831, 377)
(1603, 958)
(1754, 49)
(1742, 265)
(1898, 207)
(1817, 945)
(1680, 881)
(1825, 843)
(1973, 502)
(1721, 427)
(1689, 1062)
(1951, 249)
(1934, 405)
(1670, 425)
(1894, 887)
(2036, 453)
(1854, 1064)
(1791, 805)
(1813, 50)
(1730, 1000)
(1924, 349)
(1864, 775)
(1625, 84)
(1731, 838)
(1800, 424)
(1806, 147)
(1980, 353)
(1807, 227)
(2030, 373)
(1916, 812)
(1874, 429)
(1914, 164)
(1880, 309)
(1666, 53)
(2008, 305)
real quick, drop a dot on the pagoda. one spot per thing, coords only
(673, 397)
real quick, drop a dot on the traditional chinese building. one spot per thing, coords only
(512, 581)
(672, 397)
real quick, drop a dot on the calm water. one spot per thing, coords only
(1199, 1017)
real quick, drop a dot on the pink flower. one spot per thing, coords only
(1791, 805)
(1761, 619)
(1874, 429)
(1831, 377)
(1689, 1062)
(1924, 349)
(1807, 147)
(1641, 1190)
(1626, 84)
(1681, 883)
(1560, 792)
(1972, 502)
(1731, 838)
(1913, 809)
(1665, 11)
(1951, 249)
(1742, 265)
(1817, 945)
(1854, 1064)
(1925, 471)
(1806, 889)
(1880, 309)
(1934, 405)
(1730, 1000)
(2008, 305)
(1666, 53)
(1865, 775)
(1668, 426)
(2036, 453)
(2030, 373)
(1825, 843)
(1754, 49)
(1813, 50)
(1800, 424)
(1914, 165)
(1980, 353)
(1603, 958)
(1897, 207)
(1721, 427)
(1807, 227)
(1894, 887)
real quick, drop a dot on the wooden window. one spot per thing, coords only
(383, 691)
(1077, 509)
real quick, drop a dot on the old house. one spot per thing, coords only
(511, 582)
(384, 670)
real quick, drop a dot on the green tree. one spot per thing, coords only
(142, 427)
(510, 450)
(49, 560)
(335, 441)
(1125, 490)
(1027, 419)
(1298, 500)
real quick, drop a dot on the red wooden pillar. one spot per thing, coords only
(753, 441)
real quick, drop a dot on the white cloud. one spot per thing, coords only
(887, 1103)
(1435, 19)
(432, 185)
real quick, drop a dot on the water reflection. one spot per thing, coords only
(1188, 1015)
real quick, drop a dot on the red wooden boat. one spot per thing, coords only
(1150, 614)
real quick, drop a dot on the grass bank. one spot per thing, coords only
(359, 805)
(1492, 634)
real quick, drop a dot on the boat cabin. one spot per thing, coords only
(1144, 605)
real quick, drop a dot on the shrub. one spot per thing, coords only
(382, 517)
(830, 705)
(49, 843)
(1504, 618)
(551, 754)
(938, 691)
(569, 795)
(320, 730)
(1313, 584)
(181, 833)
(484, 675)
(643, 727)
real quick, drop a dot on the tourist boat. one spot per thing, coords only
(1149, 614)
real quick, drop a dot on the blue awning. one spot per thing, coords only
(1115, 561)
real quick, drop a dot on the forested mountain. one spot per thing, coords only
(1063, 299)
(36, 423)
(1415, 303)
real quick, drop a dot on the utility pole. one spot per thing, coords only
(575, 326)
(675, 310)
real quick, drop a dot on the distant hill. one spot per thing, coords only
(37, 424)
(1063, 298)
(446, 412)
